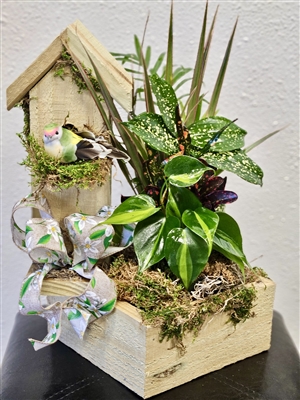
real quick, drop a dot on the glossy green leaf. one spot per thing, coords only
(149, 238)
(133, 209)
(202, 222)
(178, 198)
(228, 240)
(152, 129)
(203, 131)
(186, 254)
(44, 239)
(166, 101)
(239, 163)
(184, 171)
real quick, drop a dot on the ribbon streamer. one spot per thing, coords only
(44, 243)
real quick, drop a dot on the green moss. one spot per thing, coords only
(66, 61)
(170, 306)
(45, 170)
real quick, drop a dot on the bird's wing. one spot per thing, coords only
(115, 153)
(87, 150)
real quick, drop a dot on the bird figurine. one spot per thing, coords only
(67, 146)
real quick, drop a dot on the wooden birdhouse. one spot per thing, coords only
(54, 96)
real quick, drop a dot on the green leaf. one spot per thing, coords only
(239, 163)
(228, 240)
(184, 171)
(27, 229)
(169, 64)
(186, 254)
(203, 131)
(107, 241)
(198, 74)
(108, 306)
(72, 315)
(166, 101)
(261, 140)
(93, 261)
(178, 198)
(26, 285)
(211, 111)
(97, 234)
(158, 63)
(152, 129)
(44, 239)
(202, 222)
(93, 282)
(147, 88)
(133, 209)
(76, 227)
(32, 313)
(149, 238)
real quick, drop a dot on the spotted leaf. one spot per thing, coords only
(166, 101)
(203, 131)
(152, 129)
(238, 163)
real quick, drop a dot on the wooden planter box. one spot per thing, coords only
(131, 353)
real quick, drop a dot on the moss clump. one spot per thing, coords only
(45, 170)
(165, 303)
(67, 61)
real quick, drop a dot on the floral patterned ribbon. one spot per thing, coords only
(44, 243)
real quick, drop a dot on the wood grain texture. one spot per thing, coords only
(22, 85)
(51, 100)
(130, 352)
(118, 81)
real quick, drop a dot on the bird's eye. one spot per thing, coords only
(56, 133)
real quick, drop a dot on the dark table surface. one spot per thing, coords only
(57, 372)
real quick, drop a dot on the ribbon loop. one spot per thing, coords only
(43, 241)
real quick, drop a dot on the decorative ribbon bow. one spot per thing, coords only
(44, 242)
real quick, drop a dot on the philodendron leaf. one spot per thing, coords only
(133, 209)
(184, 171)
(203, 223)
(149, 238)
(152, 129)
(178, 199)
(239, 163)
(203, 131)
(228, 240)
(166, 101)
(186, 254)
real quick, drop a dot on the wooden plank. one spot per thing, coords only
(119, 83)
(117, 79)
(130, 352)
(51, 100)
(22, 85)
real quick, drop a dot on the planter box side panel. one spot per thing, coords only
(116, 343)
(218, 344)
(131, 353)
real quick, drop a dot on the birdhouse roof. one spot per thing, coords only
(77, 38)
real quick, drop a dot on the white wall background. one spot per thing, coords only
(261, 90)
